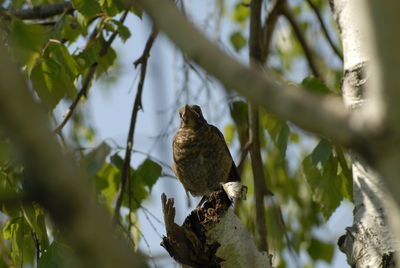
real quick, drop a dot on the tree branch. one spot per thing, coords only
(89, 77)
(335, 49)
(38, 12)
(325, 115)
(53, 179)
(300, 37)
(136, 107)
(269, 27)
(255, 55)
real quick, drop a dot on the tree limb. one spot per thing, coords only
(325, 116)
(136, 107)
(54, 180)
(39, 12)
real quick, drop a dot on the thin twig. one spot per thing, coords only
(255, 52)
(268, 29)
(92, 70)
(136, 107)
(300, 37)
(335, 48)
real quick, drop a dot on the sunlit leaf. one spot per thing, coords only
(27, 41)
(241, 13)
(89, 8)
(107, 182)
(237, 41)
(112, 7)
(229, 131)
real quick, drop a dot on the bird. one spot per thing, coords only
(201, 158)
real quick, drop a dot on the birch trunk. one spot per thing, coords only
(369, 242)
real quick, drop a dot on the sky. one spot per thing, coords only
(109, 107)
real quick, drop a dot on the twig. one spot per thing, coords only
(255, 53)
(300, 37)
(269, 28)
(136, 107)
(38, 12)
(335, 48)
(88, 79)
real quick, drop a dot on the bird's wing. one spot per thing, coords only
(233, 173)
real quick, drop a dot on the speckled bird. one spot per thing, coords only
(201, 157)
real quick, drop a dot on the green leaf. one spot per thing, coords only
(325, 186)
(27, 41)
(22, 247)
(316, 85)
(50, 82)
(321, 152)
(117, 161)
(107, 183)
(321, 250)
(91, 54)
(54, 75)
(229, 131)
(89, 8)
(58, 256)
(148, 173)
(137, 189)
(8, 191)
(123, 31)
(237, 41)
(95, 159)
(112, 7)
(241, 13)
(346, 186)
(283, 138)
(240, 115)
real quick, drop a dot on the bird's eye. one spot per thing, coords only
(180, 114)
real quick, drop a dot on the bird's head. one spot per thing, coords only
(191, 116)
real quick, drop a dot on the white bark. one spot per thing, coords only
(237, 244)
(369, 242)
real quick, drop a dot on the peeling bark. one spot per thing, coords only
(211, 236)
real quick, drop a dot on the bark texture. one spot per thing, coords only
(211, 236)
(369, 242)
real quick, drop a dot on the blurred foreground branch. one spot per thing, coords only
(55, 181)
(38, 12)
